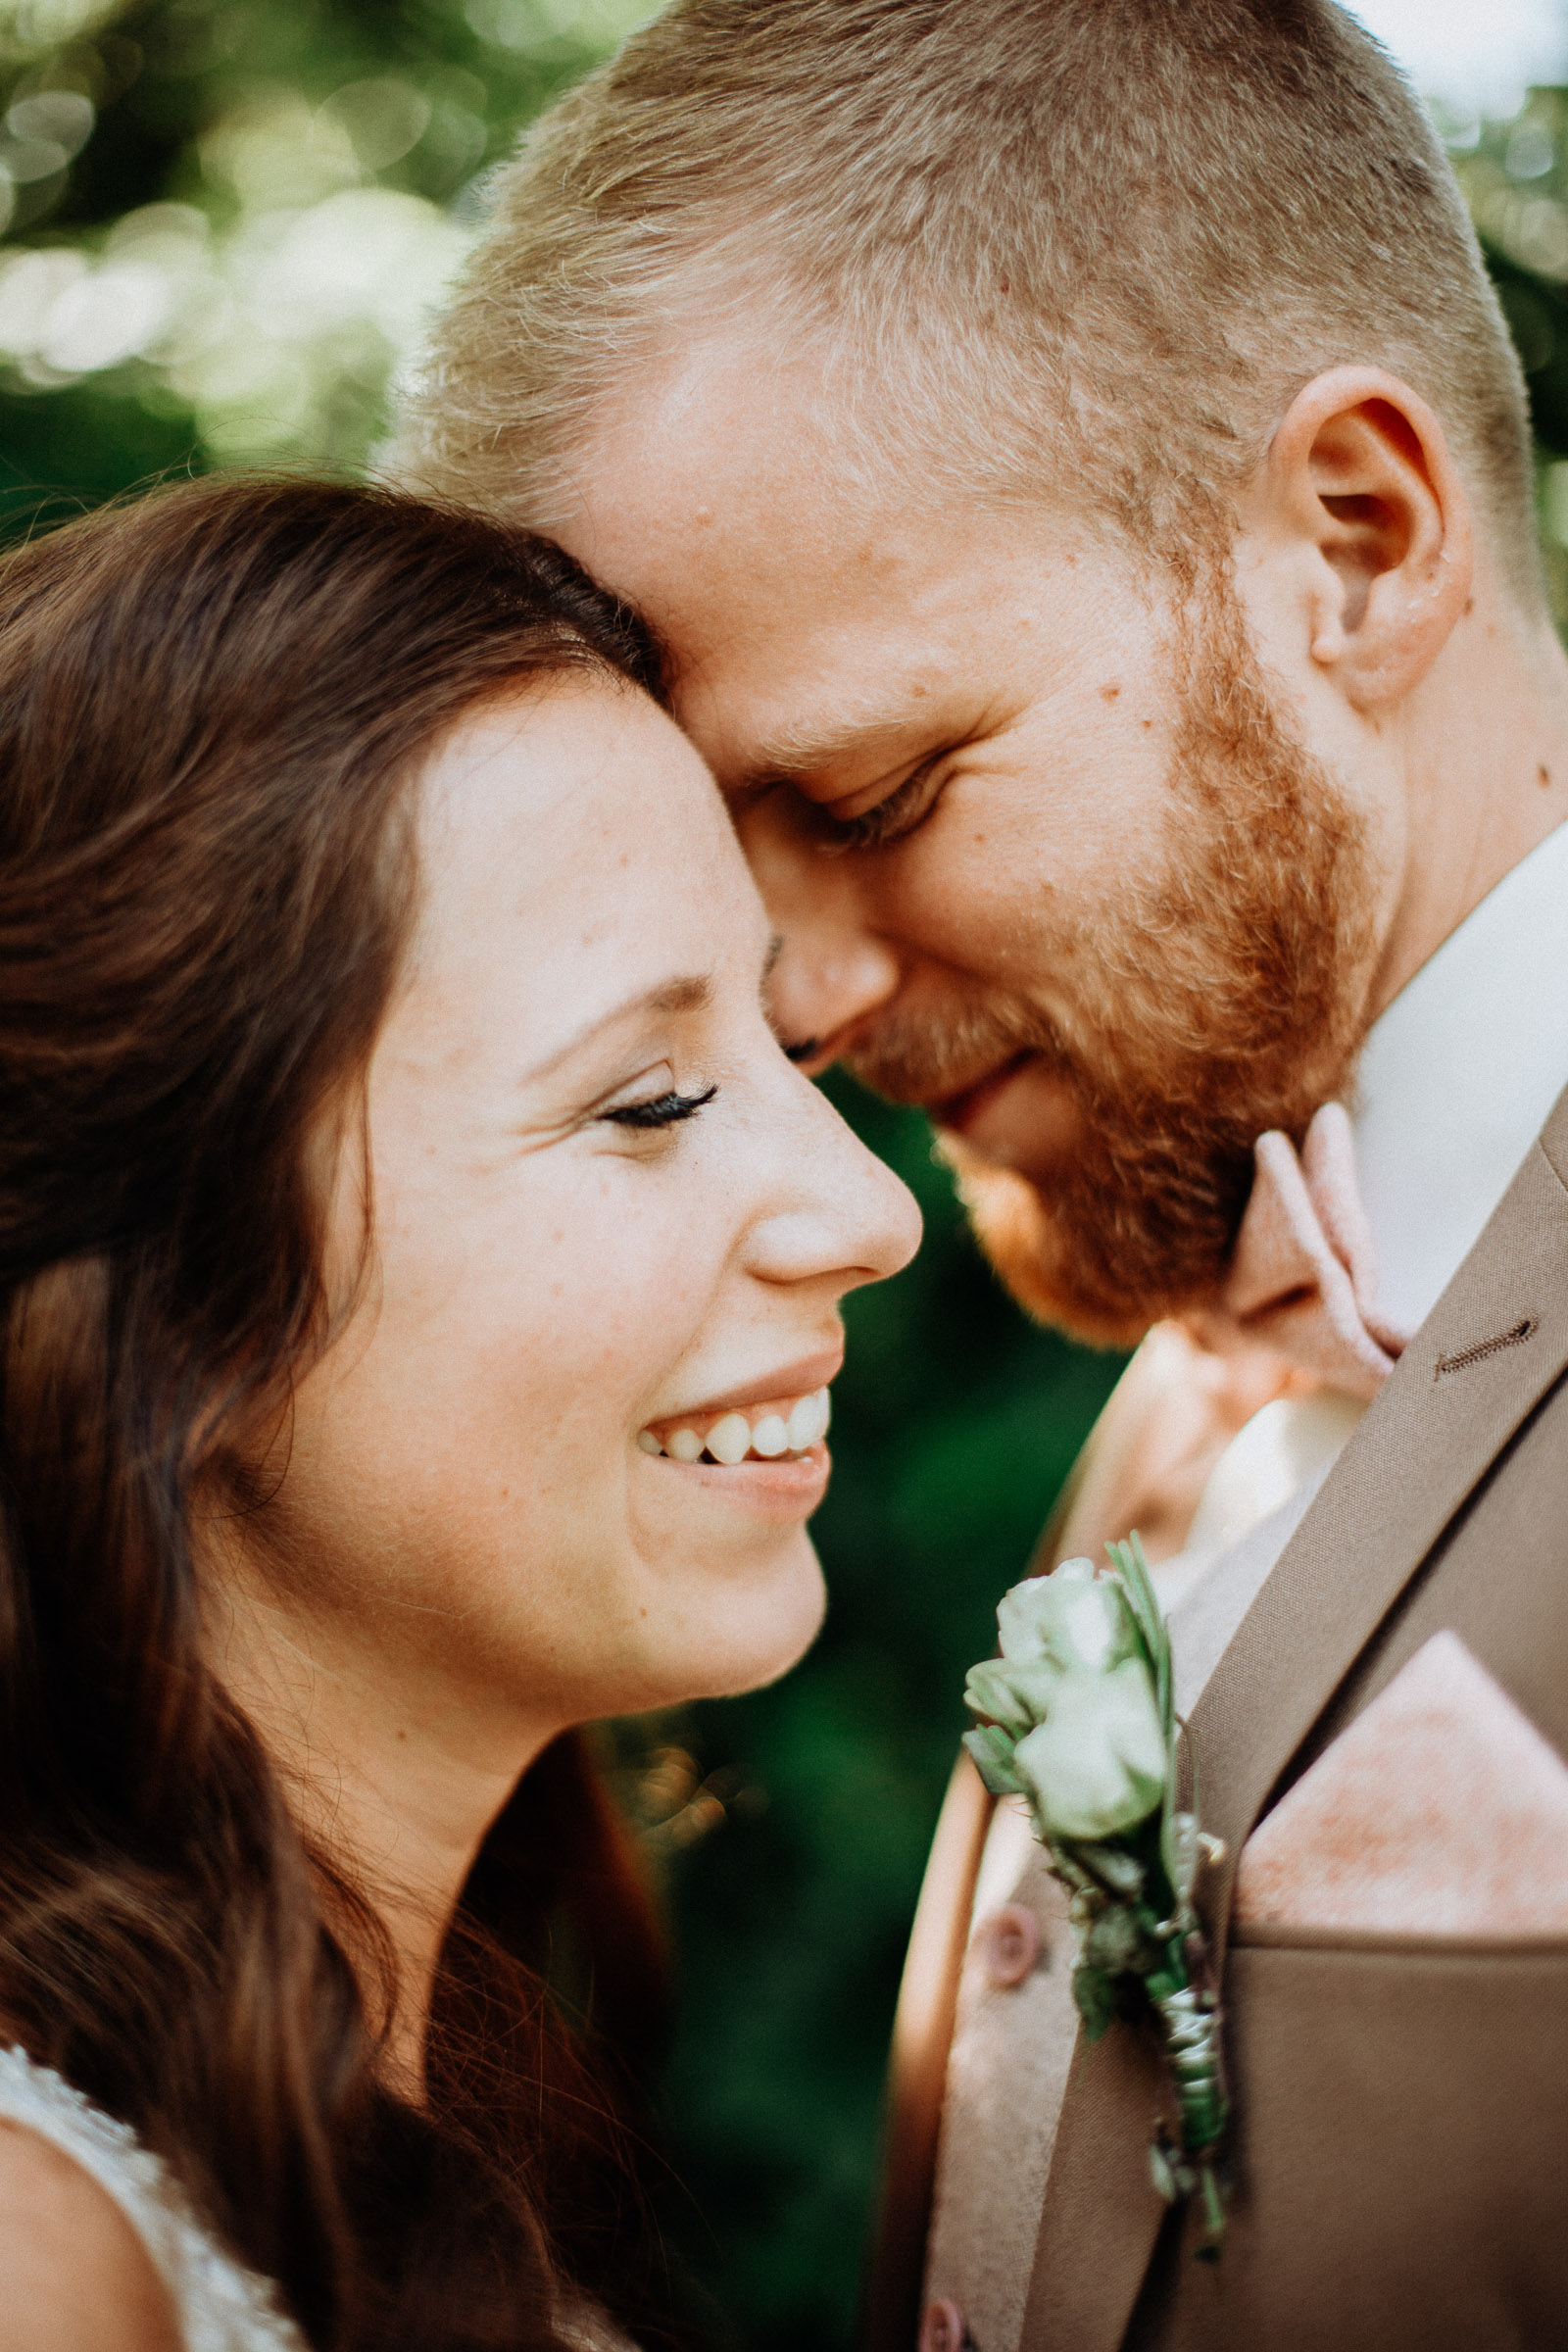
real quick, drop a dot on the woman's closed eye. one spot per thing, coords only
(665, 1109)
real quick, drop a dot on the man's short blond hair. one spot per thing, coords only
(1089, 247)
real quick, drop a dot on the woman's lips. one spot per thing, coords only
(771, 1457)
(788, 1489)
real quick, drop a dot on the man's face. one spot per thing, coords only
(1045, 855)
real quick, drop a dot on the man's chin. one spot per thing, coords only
(1033, 1255)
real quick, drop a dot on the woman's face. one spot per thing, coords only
(610, 1221)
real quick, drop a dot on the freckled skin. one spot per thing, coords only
(464, 1546)
(550, 1282)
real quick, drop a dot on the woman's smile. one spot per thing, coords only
(758, 1443)
(788, 1487)
(780, 1412)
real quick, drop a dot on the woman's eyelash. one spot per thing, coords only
(660, 1110)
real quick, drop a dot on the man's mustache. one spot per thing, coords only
(932, 1059)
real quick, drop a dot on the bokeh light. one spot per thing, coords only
(313, 217)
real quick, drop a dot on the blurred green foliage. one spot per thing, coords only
(222, 222)
(226, 218)
(1515, 179)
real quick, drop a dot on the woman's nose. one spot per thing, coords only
(841, 1215)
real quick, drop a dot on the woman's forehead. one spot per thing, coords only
(576, 857)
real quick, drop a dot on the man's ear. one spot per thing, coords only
(1359, 480)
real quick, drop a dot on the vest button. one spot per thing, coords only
(1010, 1943)
(943, 2329)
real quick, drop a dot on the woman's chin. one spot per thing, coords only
(747, 1632)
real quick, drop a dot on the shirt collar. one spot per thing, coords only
(1456, 1078)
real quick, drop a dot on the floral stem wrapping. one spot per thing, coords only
(1077, 1717)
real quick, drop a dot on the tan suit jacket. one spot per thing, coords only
(1402, 2100)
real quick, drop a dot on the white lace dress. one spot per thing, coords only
(219, 2304)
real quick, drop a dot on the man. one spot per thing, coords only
(1079, 472)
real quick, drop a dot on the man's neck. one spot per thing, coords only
(1486, 757)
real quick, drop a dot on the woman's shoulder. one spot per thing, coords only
(98, 2233)
(79, 2278)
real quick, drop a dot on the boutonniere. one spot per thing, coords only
(1077, 1717)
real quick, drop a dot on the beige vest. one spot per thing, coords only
(1403, 2149)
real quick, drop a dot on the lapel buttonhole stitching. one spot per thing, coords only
(1464, 1357)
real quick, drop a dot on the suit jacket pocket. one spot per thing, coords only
(1402, 2153)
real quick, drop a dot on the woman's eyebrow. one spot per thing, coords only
(690, 991)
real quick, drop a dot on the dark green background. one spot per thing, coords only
(791, 1826)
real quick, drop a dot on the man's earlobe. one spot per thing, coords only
(1360, 477)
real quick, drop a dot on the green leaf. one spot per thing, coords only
(992, 1751)
(1095, 1997)
(1122, 1576)
(1151, 1620)
(1115, 1941)
(990, 1690)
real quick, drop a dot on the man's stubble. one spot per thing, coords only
(1221, 991)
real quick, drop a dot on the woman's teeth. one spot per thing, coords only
(776, 1431)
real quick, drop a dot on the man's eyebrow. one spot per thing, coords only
(690, 991)
(797, 752)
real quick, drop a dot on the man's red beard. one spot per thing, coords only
(1220, 993)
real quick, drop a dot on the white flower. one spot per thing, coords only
(1097, 1765)
(1073, 1690)
(1071, 1619)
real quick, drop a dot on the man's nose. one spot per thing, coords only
(833, 970)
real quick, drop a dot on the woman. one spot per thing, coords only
(420, 1270)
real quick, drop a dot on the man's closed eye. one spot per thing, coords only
(904, 809)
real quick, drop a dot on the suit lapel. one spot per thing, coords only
(1496, 1343)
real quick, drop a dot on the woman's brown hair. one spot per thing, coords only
(214, 706)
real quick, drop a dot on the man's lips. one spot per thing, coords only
(959, 1113)
(1025, 1116)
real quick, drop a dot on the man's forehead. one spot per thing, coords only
(715, 442)
(798, 615)
(813, 609)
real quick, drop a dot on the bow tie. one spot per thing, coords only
(1303, 1275)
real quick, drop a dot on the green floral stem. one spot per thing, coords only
(1190, 2030)
(1183, 2000)
(1213, 2214)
